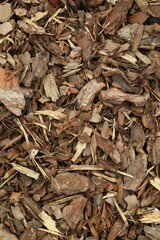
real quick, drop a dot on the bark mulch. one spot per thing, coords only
(79, 119)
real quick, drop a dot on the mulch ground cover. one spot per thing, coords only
(79, 119)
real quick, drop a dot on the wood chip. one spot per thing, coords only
(59, 115)
(151, 218)
(50, 87)
(81, 145)
(49, 223)
(5, 28)
(28, 172)
(5, 12)
(156, 183)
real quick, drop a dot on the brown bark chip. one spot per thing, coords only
(117, 16)
(73, 213)
(70, 183)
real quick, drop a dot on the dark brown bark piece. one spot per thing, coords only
(121, 84)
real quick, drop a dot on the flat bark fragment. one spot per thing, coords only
(50, 87)
(109, 148)
(138, 37)
(116, 96)
(39, 65)
(5, 12)
(13, 99)
(117, 229)
(129, 31)
(85, 42)
(137, 169)
(70, 183)
(121, 84)
(154, 56)
(87, 93)
(152, 232)
(137, 137)
(73, 213)
(148, 118)
(117, 16)
(155, 151)
(5, 28)
(10, 93)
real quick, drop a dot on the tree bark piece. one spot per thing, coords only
(73, 213)
(87, 93)
(70, 183)
(116, 96)
(109, 148)
(117, 16)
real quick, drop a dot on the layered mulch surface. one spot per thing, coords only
(79, 119)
